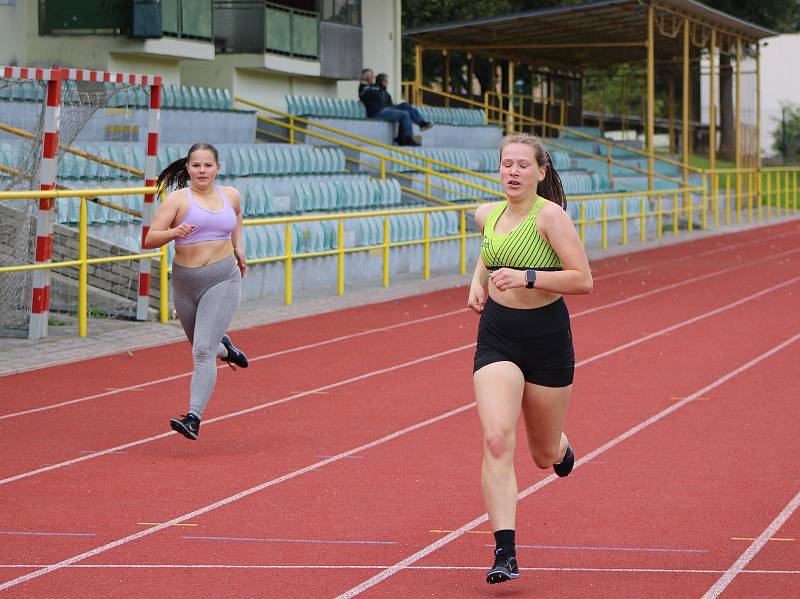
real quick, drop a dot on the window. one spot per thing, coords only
(347, 12)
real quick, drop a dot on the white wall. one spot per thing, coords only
(382, 41)
(13, 25)
(779, 83)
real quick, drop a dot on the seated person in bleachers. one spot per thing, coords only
(380, 106)
(367, 79)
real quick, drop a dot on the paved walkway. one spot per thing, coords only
(110, 336)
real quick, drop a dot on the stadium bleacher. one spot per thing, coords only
(278, 179)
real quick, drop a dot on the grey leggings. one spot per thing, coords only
(205, 299)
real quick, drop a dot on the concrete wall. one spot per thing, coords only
(382, 41)
(264, 78)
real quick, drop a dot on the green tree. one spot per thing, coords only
(786, 135)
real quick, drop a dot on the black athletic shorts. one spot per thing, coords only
(537, 340)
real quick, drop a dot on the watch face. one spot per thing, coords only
(530, 276)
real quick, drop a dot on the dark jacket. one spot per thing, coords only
(375, 99)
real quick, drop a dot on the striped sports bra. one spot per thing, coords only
(210, 226)
(521, 249)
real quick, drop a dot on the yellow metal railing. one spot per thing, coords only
(340, 251)
(83, 262)
(407, 160)
(609, 144)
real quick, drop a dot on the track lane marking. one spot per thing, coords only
(587, 311)
(738, 566)
(444, 540)
(371, 374)
(436, 545)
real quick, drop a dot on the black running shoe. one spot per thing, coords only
(425, 125)
(235, 355)
(564, 467)
(505, 568)
(188, 426)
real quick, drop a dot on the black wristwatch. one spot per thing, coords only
(530, 278)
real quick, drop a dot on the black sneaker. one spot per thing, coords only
(188, 426)
(564, 467)
(235, 355)
(425, 125)
(505, 568)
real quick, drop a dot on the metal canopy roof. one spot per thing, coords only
(594, 34)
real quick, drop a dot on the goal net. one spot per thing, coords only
(68, 128)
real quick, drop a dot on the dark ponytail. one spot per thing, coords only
(176, 174)
(550, 188)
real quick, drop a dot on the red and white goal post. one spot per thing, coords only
(55, 79)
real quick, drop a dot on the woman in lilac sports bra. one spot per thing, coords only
(205, 222)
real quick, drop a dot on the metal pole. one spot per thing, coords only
(510, 124)
(758, 126)
(712, 108)
(738, 123)
(651, 88)
(417, 95)
(446, 57)
(83, 292)
(685, 108)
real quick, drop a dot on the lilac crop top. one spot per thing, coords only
(209, 226)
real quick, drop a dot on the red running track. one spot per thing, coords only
(345, 460)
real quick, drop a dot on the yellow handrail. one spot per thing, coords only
(83, 260)
(566, 129)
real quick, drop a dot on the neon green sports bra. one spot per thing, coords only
(521, 249)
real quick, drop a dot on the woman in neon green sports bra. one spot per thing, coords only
(524, 359)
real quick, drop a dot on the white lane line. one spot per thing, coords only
(228, 500)
(682, 283)
(284, 567)
(718, 250)
(276, 402)
(262, 406)
(253, 359)
(738, 566)
(585, 312)
(438, 544)
(441, 542)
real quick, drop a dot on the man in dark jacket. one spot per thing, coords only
(379, 105)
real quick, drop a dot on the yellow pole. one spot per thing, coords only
(651, 90)
(287, 271)
(604, 235)
(163, 286)
(685, 110)
(704, 209)
(470, 74)
(291, 129)
(446, 57)
(418, 75)
(758, 127)
(386, 251)
(712, 108)
(727, 198)
(675, 213)
(426, 265)
(643, 218)
(83, 272)
(768, 176)
(671, 110)
(510, 124)
(737, 127)
(624, 221)
(462, 226)
(340, 257)
(659, 210)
